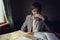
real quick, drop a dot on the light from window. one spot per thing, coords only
(3, 18)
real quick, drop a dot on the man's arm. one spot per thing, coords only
(46, 27)
(24, 26)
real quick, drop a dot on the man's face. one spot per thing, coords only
(35, 11)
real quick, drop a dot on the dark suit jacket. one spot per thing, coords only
(28, 24)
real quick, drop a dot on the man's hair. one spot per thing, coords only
(37, 5)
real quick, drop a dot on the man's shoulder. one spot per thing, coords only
(29, 16)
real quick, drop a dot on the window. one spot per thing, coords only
(3, 18)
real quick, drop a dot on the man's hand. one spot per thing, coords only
(39, 16)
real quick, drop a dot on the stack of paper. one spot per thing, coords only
(45, 36)
(51, 36)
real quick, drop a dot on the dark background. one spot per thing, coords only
(21, 8)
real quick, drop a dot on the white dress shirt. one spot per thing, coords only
(35, 25)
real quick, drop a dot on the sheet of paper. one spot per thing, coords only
(46, 36)
(40, 35)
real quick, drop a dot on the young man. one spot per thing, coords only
(34, 22)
